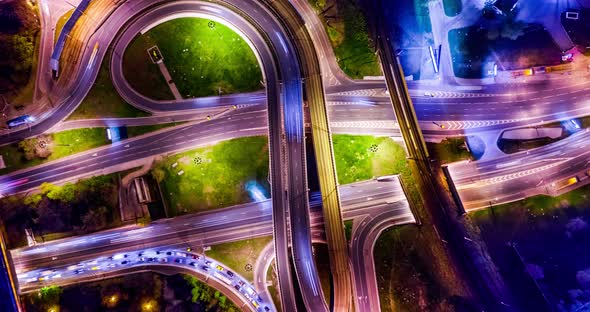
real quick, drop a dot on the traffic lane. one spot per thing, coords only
(229, 230)
(517, 89)
(167, 11)
(260, 270)
(189, 225)
(496, 192)
(363, 242)
(234, 124)
(199, 115)
(174, 260)
(566, 149)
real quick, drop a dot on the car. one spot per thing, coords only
(218, 267)
(255, 304)
(111, 265)
(169, 253)
(196, 257)
(205, 268)
(124, 262)
(151, 259)
(180, 254)
(266, 309)
(140, 254)
(78, 271)
(237, 287)
(230, 273)
(241, 283)
(158, 252)
(193, 264)
(209, 263)
(164, 260)
(141, 259)
(30, 280)
(179, 260)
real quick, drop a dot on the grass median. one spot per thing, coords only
(240, 256)
(363, 157)
(449, 150)
(347, 30)
(213, 177)
(203, 58)
(61, 144)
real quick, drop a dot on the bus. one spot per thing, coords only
(18, 121)
(222, 277)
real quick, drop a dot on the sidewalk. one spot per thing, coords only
(169, 80)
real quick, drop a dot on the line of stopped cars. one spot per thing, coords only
(119, 261)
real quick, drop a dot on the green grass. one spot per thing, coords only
(348, 229)
(449, 150)
(405, 280)
(69, 142)
(25, 95)
(200, 59)
(272, 289)
(348, 34)
(452, 7)
(356, 161)
(60, 24)
(75, 141)
(218, 180)
(537, 205)
(65, 143)
(237, 255)
(103, 100)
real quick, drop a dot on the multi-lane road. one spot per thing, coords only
(353, 108)
(383, 200)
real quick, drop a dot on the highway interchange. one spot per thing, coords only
(352, 107)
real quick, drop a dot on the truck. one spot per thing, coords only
(561, 184)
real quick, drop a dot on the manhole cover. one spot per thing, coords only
(42, 144)
(198, 160)
(374, 148)
(211, 24)
(248, 267)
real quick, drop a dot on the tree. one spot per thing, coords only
(158, 174)
(46, 298)
(39, 147)
(95, 218)
(18, 31)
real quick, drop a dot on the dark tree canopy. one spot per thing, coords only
(18, 29)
